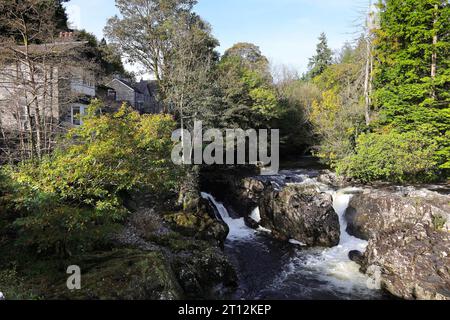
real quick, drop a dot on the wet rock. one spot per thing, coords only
(356, 256)
(290, 210)
(332, 179)
(301, 212)
(407, 229)
(204, 274)
(412, 262)
(379, 210)
(252, 223)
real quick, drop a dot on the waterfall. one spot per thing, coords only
(238, 228)
(341, 200)
(267, 271)
(334, 263)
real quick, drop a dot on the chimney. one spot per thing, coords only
(65, 36)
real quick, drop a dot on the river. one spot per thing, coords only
(269, 269)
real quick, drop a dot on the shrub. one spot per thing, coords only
(391, 156)
(72, 200)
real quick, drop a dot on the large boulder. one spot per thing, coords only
(205, 274)
(409, 240)
(291, 207)
(412, 262)
(374, 211)
(236, 187)
(120, 275)
(302, 213)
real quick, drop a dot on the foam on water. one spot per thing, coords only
(333, 265)
(238, 228)
(331, 268)
(256, 215)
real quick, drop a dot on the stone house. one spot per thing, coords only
(142, 96)
(50, 84)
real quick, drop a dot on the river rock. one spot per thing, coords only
(204, 274)
(120, 275)
(302, 213)
(380, 210)
(412, 262)
(200, 225)
(408, 233)
(332, 179)
(356, 256)
(292, 210)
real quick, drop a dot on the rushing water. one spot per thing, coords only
(268, 269)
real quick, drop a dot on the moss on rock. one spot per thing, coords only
(121, 274)
(198, 225)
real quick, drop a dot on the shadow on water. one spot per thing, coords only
(270, 270)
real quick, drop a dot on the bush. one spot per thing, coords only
(392, 156)
(14, 287)
(72, 200)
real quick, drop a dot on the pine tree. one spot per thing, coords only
(322, 59)
(35, 8)
(412, 73)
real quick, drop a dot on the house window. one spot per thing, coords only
(87, 80)
(112, 94)
(77, 114)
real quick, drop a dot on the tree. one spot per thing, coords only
(13, 10)
(322, 59)
(72, 200)
(296, 101)
(338, 115)
(412, 70)
(370, 27)
(104, 56)
(249, 96)
(190, 78)
(191, 89)
(142, 33)
(250, 55)
(391, 156)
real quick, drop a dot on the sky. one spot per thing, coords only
(285, 30)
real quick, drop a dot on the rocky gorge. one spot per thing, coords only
(404, 230)
(302, 234)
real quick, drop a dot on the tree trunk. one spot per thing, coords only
(434, 54)
(368, 68)
(368, 82)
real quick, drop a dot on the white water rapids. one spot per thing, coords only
(309, 273)
(238, 228)
(334, 263)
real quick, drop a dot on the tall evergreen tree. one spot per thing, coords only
(412, 73)
(322, 59)
(55, 8)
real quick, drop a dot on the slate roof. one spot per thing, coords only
(143, 87)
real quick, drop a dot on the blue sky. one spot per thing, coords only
(285, 30)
